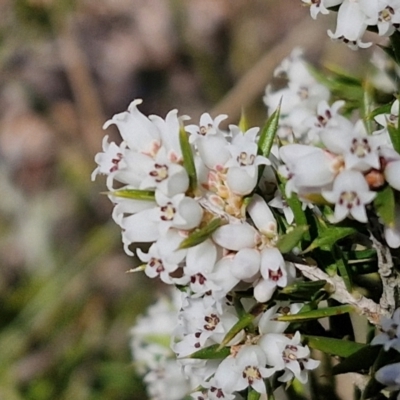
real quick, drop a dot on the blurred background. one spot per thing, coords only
(66, 66)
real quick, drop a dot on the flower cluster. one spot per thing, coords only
(210, 208)
(353, 164)
(354, 17)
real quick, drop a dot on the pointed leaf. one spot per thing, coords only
(243, 322)
(201, 235)
(253, 395)
(368, 101)
(384, 204)
(360, 360)
(212, 352)
(135, 194)
(316, 314)
(268, 132)
(336, 347)
(243, 123)
(343, 268)
(188, 159)
(394, 133)
(328, 237)
(291, 239)
(308, 287)
(385, 109)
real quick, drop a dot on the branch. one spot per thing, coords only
(389, 276)
(363, 305)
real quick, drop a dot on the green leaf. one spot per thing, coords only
(134, 194)
(268, 132)
(243, 123)
(368, 101)
(335, 347)
(243, 322)
(304, 288)
(385, 109)
(357, 361)
(201, 235)
(188, 159)
(212, 352)
(291, 239)
(394, 134)
(297, 207)
(316, 314)
(329, 236)
(384, 204)
(253, 395)
(343, 268)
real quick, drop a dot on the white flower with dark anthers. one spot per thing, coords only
(178, 212)
(245, 370)
(137, 130)
(162, 258)
(200, 261)
(359, 151)
(210, 141)
(160, 174)
(351, 24)
(326, 117)
(275, 272)
(389, 375)
(382, 13)
(267, 323)
(350, 194)
(208, 320)
(118, 163)
(390, 335)
(244, 162)
(288, 355)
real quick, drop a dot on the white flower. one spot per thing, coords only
(320, 6)
(178, 212)
(382, 13)
(350, 194)
(266, 324)
(162, 258)
(160, 174)
(359, 150)
(200, 261)
(351, 24)
(390, 336)
(389, 375)
(274, 272)
(288, 355)
(247, 369)
(210, 141)
(137, 130)
(302, 175)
